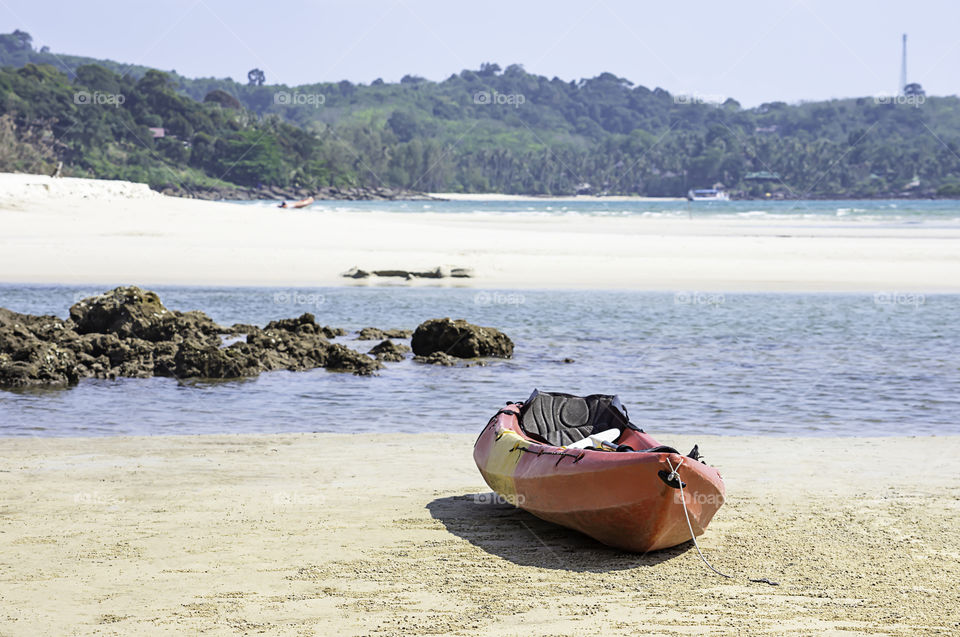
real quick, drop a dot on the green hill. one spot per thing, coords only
(488, 130)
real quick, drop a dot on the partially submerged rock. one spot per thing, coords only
(343, 359)
(461, 339)
(437, 358)
(128, 332)
(376, 334)
(370, 334)
(445, 360)
(389, 351)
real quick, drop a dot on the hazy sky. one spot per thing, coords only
(752, 50)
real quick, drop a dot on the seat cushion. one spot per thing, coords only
(563, 419)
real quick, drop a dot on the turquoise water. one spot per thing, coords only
(683, 362)
(900, 211)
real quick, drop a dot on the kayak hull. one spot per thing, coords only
(618, 499)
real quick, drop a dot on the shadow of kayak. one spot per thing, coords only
(524, 539)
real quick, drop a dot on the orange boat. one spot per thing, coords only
(579, 462)
(303, 203)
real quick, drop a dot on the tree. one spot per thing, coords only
(403, 125)
(222, 98)
(488, 69)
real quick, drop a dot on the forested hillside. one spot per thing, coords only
(486, 130)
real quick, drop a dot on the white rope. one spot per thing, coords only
(693, 536)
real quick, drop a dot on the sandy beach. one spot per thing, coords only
(396, 534)
(310, 535)
(72, 231)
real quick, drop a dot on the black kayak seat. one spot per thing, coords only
(562, 419)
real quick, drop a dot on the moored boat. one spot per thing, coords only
(303, 203)
(580, 462)
(707, 194)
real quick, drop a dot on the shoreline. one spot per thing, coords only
(128, 535)
(92, 232)
(503, 197)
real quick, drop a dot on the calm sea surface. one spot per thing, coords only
(683, 362)
(891, 212)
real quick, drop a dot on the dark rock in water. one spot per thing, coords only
(242, 328)
(461, 339)
(344, 359)
(569, 360)
(127, 332)
(462, 273)
(445, 360)
(36, 350)
(195, 359)
(437, 358)
(376, 334)
(389, 351)
(125, 311)
(304, 324)
(333, 332)
(370, 334)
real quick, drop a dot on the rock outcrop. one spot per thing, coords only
(389, 351)
(461, 339)
(128, 332)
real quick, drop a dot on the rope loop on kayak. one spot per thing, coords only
(693, 536)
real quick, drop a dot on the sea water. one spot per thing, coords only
(890, 212)
(683, 362)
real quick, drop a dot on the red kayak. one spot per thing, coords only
(579, 462)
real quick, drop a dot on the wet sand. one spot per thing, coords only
(386, 535)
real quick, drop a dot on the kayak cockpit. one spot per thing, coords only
(579, 422)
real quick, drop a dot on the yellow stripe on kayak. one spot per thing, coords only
(502, 463)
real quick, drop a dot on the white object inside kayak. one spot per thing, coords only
(596, 440)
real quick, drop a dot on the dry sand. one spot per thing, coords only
(78, 232)
(380, 535)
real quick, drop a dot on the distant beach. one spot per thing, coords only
(86, 231)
